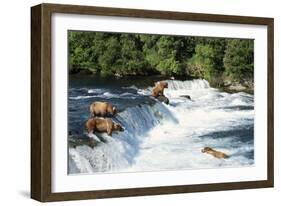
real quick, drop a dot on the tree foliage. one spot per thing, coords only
(239, 59)
(143, 54)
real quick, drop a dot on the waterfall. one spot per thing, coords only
(188, 84)
(118, 151)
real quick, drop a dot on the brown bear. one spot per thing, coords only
(214, 153)
(158, 92)
(158, 89)
(102, 125)
(102, 109)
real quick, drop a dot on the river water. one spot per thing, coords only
(158, 136)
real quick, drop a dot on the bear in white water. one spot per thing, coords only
(158, 92)
(102, 125)
(102, 109)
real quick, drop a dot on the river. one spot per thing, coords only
(158, 136)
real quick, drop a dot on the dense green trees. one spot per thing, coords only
(239, 59)
(207, 60)
(138, 54)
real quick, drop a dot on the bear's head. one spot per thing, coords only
(163, 84)
(205, 149)
(117, 127)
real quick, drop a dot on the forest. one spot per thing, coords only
(218, 60)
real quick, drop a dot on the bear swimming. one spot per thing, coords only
(102, 125)
(214, 153)
(102, 109)
(158, 91)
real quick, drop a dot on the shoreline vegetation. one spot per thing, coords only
(226, 63)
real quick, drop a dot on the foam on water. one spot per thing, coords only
(96, 91)
(82, 97)
(170, 137)
(105, 95)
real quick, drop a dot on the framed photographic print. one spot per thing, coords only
(130, 102)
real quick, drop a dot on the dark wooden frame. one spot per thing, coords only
(41, 101)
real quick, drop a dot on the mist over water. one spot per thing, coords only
(158, 136)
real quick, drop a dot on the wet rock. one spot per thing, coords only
(186, 96)
(163, 99)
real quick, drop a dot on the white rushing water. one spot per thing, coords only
(170, 137)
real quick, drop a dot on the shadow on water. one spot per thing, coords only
(249, 154)
(237, 108)
(240, 136)
(243, 134)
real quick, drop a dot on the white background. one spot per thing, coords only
(15, 102)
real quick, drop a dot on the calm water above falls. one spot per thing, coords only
(159, 136)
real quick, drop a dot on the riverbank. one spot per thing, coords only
(232, 87)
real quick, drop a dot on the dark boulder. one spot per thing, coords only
(163, 99)
(186, 96)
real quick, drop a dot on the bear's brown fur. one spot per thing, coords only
(102, 125)
(158, 89)
(102, 109)
(214, 153)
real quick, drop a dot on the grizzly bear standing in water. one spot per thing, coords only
(102, 109)
(102, 125)
(158, 91)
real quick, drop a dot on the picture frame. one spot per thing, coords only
(41, 101)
